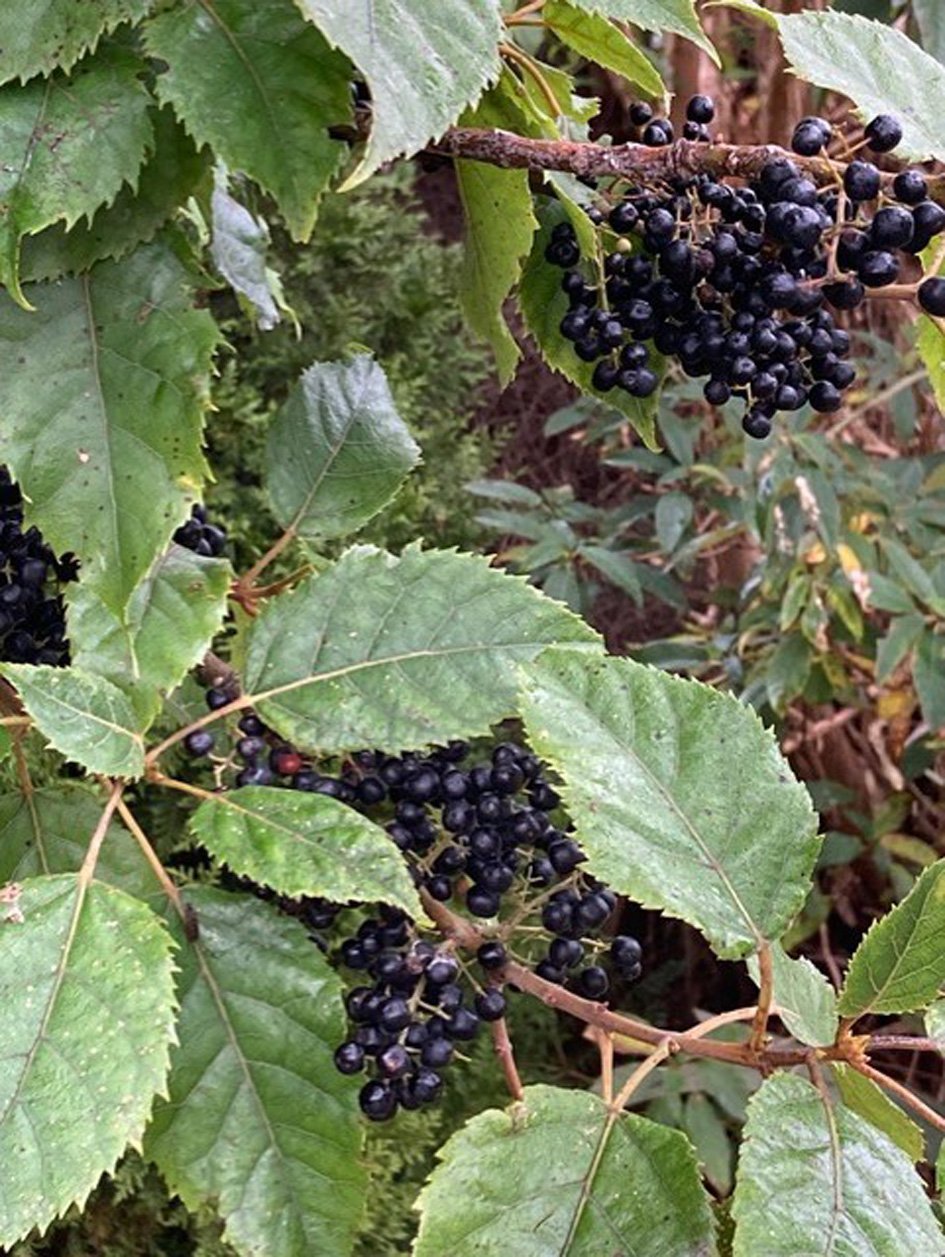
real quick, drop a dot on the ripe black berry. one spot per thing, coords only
(492, 955)
(910, 187)
(931, 296)
(349, 1058)
(378, 1101)
(891, 228)
(700, 109)
(810, 136)
(878, 268)
(861, 181)
(200, 742)
(883, 133)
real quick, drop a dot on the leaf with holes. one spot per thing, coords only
(84, 717)
(678, 16)
(103, 414)
(878, 67)
(305, 844)
(806, 1001)
(560, 1174)
(337, 451)
(48, 830)
(900, 964)
(385, 651)
(88, 1018)
(543, 304)
(69, 144)
(259, 1122)
(38, 38)
(680, 796)
(815, 1178)
(597, 38)
(424, 63)
(252, 79)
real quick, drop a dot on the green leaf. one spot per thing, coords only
(103, 413)
(930, 17)
(750, 7)
(305, 844)
(338, 451)
(88, 1018)
(904, 631)
(680, 796)
(69, 144)
(673, 516)
(402, 651)
(806, 1001)
(818, 1180)
(930, 343)
(910, 572)
(38, 38)
(900, 964)
(239, 246)
(171, 619)
(423, 63)
(544, 304)
(863, 1096)
(168, 178)
(678, 16)
(935, 1023)
(253, 79)
(85, 718)
(929, 676)
(616, 567)
(878, 67)
(560, 1174)
(787, 670)
(888, 595)
(48, 831)
(497, 210)
(600, 41)
(710, 1138)
(259, 1122)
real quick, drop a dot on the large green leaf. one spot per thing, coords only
(930, 342)
(259, 1121)
(69, 144)
(256, 82)
(878, 67)
(597, 38)
(172, 616)
(544, 304)
(863, 1096)
(423, 62)
(680, 796)
(561, 1174)
(900, 964)
(819, 1181)
(930, 17)
(85, 717)
(169, 176)
(338, 451)
(88, 1017)
(305, 844)
(655, 15)
(806, 1001)
(48, 831)
(385, 651)
(37, 38)
(103, 414)
(240, 247)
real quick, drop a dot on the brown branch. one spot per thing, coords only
(901, 1092)
(682, 159)
(759, 1026)
(503, 1050)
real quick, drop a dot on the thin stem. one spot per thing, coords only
(248, 579)
(16, 722)
(531, 7)
(160, 872)
(903, 1043)
(184, 787)
(511, 53)
(156, 752)
(901, 1092)
(605, 1046)
(87, 871)
(503, 1050)
(645, 1068)
(883, 396)
(759, 1026)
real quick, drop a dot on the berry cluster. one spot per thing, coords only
(199, 535)
(738, 282)
(32, 616)
(480, 834)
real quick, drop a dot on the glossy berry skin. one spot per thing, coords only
(490, 1005)
(891, 228)
(931, 296)
(349, 1058)
(825, 398)
(810, 136)
(593, 982)
(378, 1101)
(700, 109)
(883, 133)
(878, 268)
(199, 743)
(910, 187)
(658, 133)
(756, 424)
(492, 955)
(861, 181)
(626, 951)
(640, 113)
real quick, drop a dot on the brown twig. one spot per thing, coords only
(160, 872)
(759, 1026)
(901, 1092)
(87, 871)
(503, 1050)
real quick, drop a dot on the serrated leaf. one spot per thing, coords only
(38, 38)
(559, 1174)
(678, 16)
(423, 63)
(85, 718)
(48, 831)
(878, 67)
(337, 451)
(863, 1096)
(255, 81)
(818, 1180)
(171, 618)
(258, 1119)
(305, 844)
(69, 144)
(88, 1017)
(900, 964)
(402, 651)
(169, 176)
(806, 1001)
(680, 796)
(596, 38)
(103, 414)
(239, 245)
(544, 304)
